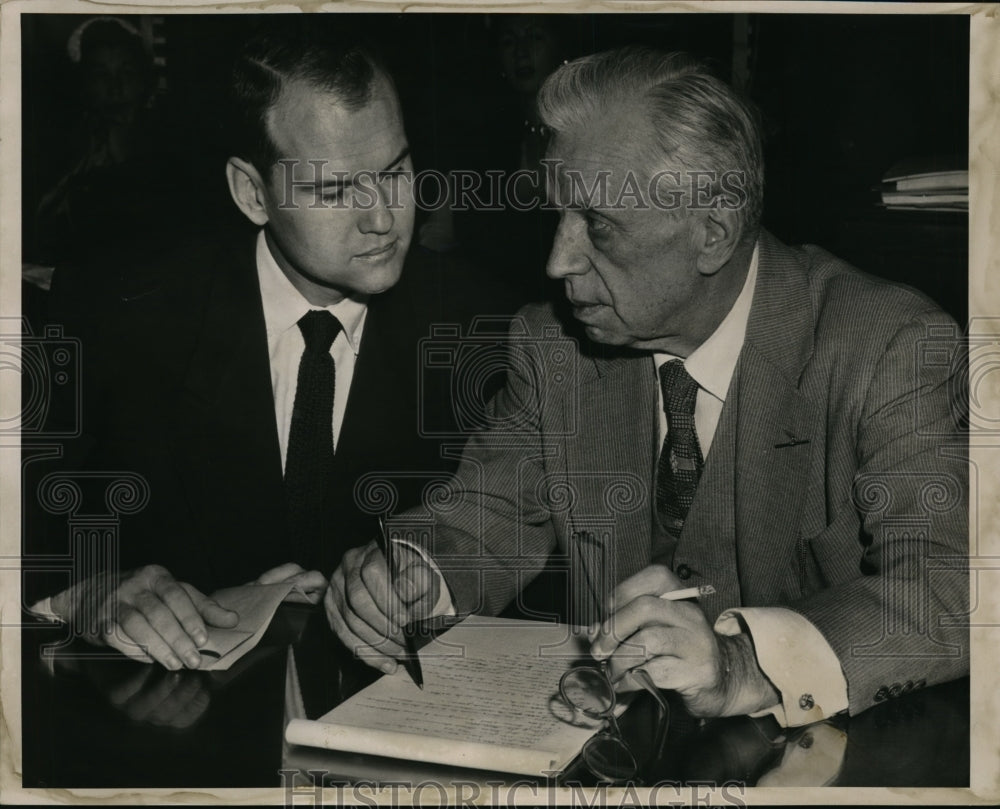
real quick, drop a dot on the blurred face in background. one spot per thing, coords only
(116, 72)
(528, 51)
(115, 83)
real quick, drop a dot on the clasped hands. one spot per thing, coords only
(715, 675)
(149, 616)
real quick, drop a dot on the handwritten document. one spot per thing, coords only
(490, 701)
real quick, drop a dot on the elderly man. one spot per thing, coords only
(742, 414)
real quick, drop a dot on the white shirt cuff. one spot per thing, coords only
(796, 658)
(445, 606)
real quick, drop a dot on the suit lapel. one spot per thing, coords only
(745, 513)
(382, 372)
(773, 448)
(379, 431)
(776, 423)
(226, 441)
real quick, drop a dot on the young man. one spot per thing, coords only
(258, 382)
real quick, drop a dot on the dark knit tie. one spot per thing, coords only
(309, 462)
(680, 463)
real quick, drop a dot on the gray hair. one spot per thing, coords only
(700, 122)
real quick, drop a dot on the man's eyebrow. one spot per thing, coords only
(341, 180)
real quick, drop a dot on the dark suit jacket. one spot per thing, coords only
(177, 389)
(836, 484)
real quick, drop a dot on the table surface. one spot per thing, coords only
(92, 720)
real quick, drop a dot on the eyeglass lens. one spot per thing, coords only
(588, 690)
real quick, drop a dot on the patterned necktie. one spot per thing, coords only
(309, 462)
(680, 463)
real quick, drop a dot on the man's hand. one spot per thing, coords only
(145, 614)
(310, 584)
(716, 675)
(367, 613)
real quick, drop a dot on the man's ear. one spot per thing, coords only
(247, 190)
(718, 237)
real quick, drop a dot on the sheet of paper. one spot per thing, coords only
(490, 701)
(256, 605)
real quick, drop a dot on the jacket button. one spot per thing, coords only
(683, 572)
(907, 686)
(895, 690)
(882, 694)
(806, 702)
(920, 683)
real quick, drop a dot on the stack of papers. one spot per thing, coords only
(490, 701)
(931, 184)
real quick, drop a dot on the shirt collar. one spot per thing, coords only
(712, 364)
(284, 305)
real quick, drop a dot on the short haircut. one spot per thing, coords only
(298, 47)
(700, 122)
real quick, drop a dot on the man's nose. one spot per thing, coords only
(378, 217)
(568, 255)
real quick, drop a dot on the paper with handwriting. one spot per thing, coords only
(490, 701)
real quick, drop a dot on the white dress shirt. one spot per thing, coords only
(284, 306)
(790, 650)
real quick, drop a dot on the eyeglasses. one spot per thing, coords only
(589, 690)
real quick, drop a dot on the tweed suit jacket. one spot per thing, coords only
(836, 484)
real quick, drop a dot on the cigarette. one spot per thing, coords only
(690, 592)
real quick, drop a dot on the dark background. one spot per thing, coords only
(842, 97)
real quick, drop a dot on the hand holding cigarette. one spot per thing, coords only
(654, 624)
